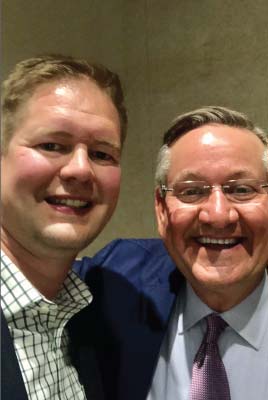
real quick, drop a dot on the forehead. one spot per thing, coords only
(216, 151)
(79, 93)
(76, 105)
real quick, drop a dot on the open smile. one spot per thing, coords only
(67, 202)
(220, 243)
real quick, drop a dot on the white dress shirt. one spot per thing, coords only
(243, 347)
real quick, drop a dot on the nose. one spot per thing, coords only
(78, 166)
(218, 211)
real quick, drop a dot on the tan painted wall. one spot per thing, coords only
(172, 56)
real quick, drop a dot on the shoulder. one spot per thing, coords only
(127, 257)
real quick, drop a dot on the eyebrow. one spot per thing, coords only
(64, 134)
(109, 144)
(188, 175)
(61, 133)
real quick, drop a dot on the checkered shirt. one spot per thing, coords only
(37, 327)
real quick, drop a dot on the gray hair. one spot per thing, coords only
(197, 118)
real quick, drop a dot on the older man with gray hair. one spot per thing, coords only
(193, 326)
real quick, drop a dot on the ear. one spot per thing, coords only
(160, 212)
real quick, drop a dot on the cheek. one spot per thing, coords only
(261, 230)
(33, 168)
(181, 217)
(180, 222)
(109, 181)
(256, 219)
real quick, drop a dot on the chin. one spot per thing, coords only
(68, 238)
(72, 244)
(213, 274)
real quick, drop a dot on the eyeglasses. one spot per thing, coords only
(239, 191)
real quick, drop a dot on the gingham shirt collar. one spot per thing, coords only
(18, 293)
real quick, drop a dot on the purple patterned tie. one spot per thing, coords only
(209, 379)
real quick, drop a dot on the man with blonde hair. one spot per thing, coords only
(63, 127)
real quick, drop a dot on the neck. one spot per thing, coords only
(223, 299)
(45, 273)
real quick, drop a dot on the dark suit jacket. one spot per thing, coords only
(134, 285)
(12, 386)
(115, 341)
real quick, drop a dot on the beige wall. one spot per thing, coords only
(172, 56)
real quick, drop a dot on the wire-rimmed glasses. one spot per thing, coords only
(239, 191)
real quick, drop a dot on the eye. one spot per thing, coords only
(50, 146)
(102, 157)
(242, 190)
(192, 191)
(189, 193)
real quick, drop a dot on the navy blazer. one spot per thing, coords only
(12, 385)
(115, 341)
(134, 285)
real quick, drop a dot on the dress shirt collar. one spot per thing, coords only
(18, 293)
(243, 318)
(250, 318)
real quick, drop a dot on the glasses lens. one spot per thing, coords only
(264, 188)
(241, 190)
(190, 192)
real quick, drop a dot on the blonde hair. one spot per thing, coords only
(28, 74)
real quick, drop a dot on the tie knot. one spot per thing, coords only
(215, 326)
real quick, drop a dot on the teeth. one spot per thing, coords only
(71, 203)
(206, 240)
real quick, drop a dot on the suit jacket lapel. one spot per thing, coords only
(12, 386)
(83, 355)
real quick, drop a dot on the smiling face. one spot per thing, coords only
(61, 168)
(220, 246)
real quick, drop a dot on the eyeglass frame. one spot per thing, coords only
(208, 189)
